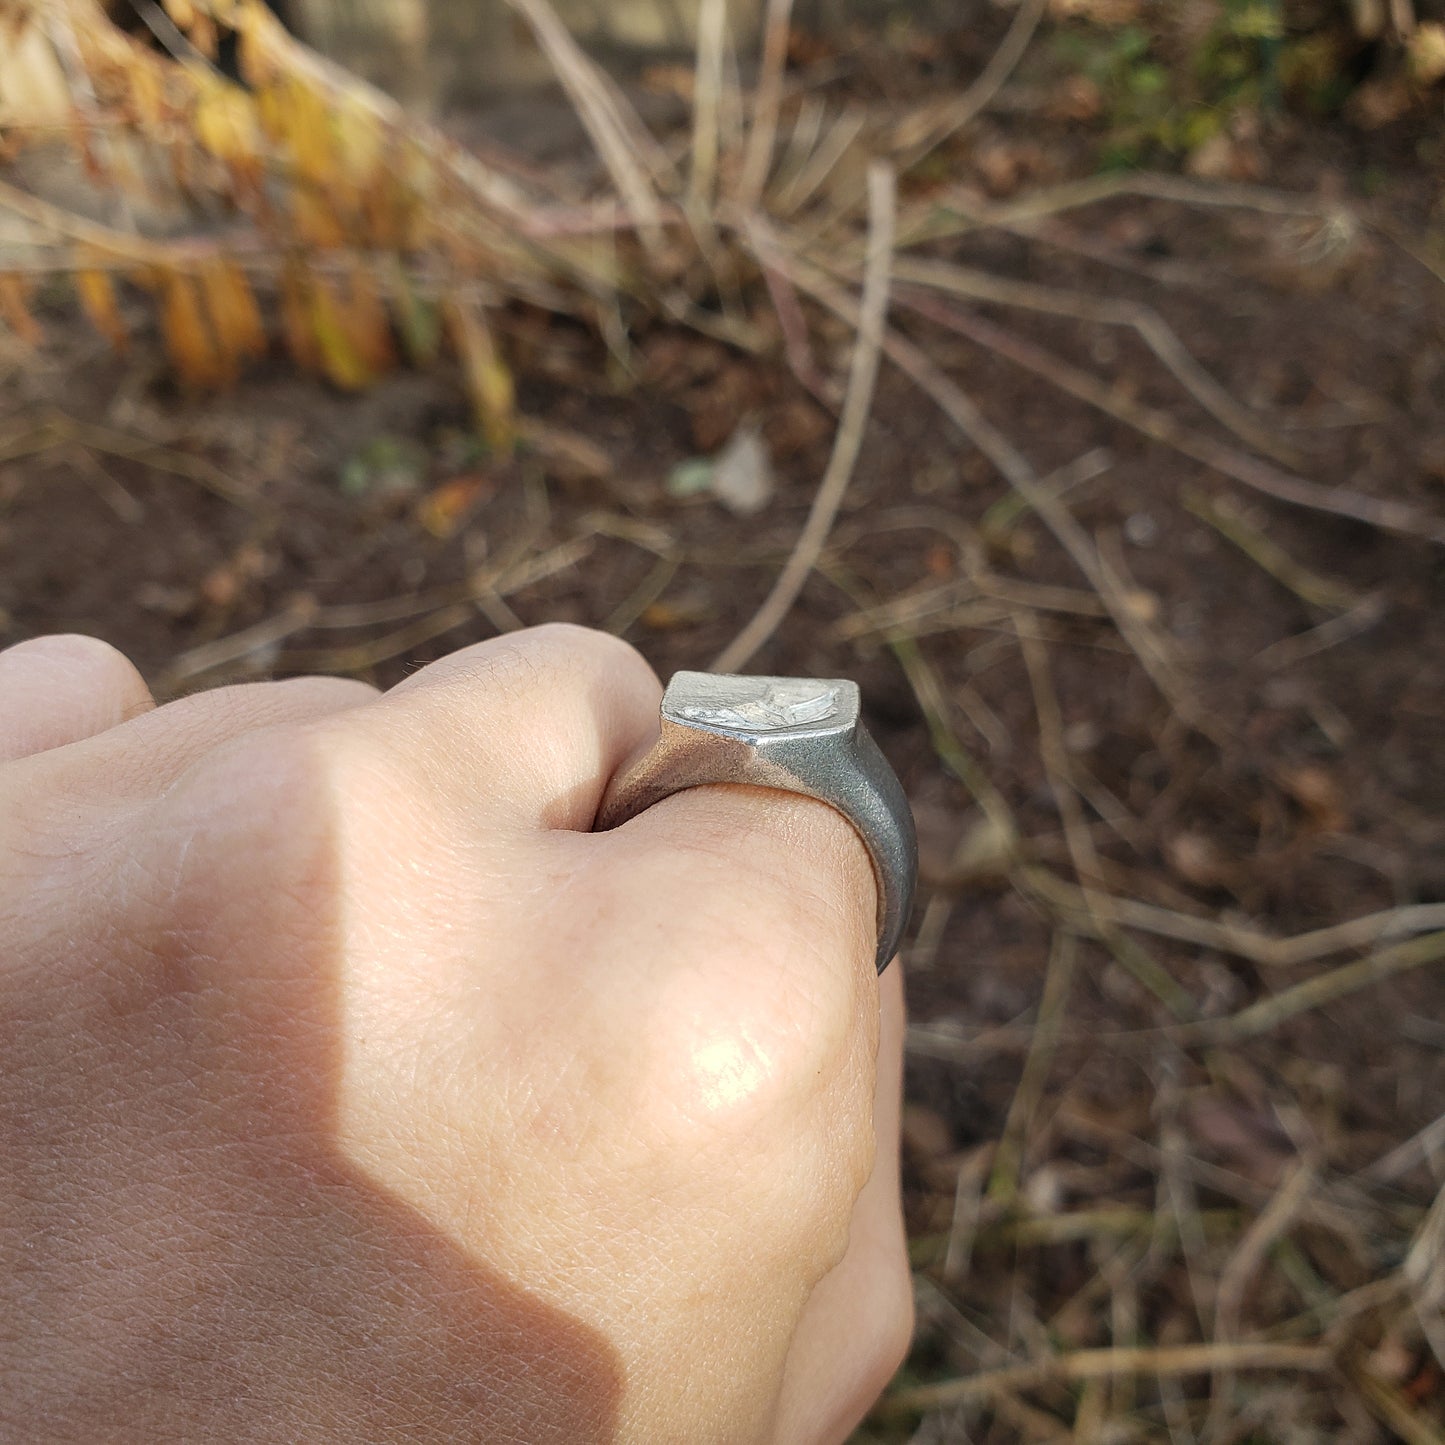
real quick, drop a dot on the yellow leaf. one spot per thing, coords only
(147, 95)
(296, 317)
(298, 117)
(235, 317)
(256, 33)
(341, 359)
(189, 342)
(489, 383)
(314, 218)
(225, 123)
(204, 35)
(358, 142)
(96, 293)
(14, 293)
(367, 320)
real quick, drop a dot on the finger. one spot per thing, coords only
(147, 754)
(740, 926)
(858, 1323)
(774, 859)
(530, 726)
(63, 689)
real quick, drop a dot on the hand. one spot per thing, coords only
(350, 1089)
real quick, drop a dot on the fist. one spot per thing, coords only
(352, 1089)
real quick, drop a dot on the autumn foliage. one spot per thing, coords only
(289, 204)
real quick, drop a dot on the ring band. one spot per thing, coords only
(795, 735)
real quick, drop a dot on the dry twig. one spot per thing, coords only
(1177, 1360)
(856, 406)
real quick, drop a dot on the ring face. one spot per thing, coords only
(792, 734)
(756, 706)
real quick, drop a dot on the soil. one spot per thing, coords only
(200, 535)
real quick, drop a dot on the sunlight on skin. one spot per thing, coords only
(729, 1071)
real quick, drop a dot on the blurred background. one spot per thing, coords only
(1069, 372)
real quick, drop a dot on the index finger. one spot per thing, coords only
(527, 728)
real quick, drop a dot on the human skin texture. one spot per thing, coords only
(352, 1089)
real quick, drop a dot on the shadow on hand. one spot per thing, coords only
(258, 1285)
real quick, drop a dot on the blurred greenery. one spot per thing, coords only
(1171, 79)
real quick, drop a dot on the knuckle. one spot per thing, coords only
(259, 823)
(570, 640)
(756, 1022)
(89, 677)
(553, 654)
(67, 648)
(791, 858)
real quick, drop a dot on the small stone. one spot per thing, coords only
(1141, 529)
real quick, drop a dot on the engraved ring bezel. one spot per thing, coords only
(790, 734)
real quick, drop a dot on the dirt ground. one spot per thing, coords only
(1138, 1124)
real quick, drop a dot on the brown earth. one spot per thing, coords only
(1292, 780)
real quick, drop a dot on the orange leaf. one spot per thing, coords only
(234, 315)
(14, 293)
(444, 508)
(204, 35)
(189, 342)
(313, 215)
(367, 319)
(296, 317)
(258, 35)
(96, 293)
(147, 95)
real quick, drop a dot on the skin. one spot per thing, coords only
(351, 1089)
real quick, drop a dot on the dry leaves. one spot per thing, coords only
(334, 191)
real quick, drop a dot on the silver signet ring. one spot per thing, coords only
(794, 734)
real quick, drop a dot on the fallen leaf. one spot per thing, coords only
(1317, 794)
(674, 616)
(742, 474)
(690, 478)
(1199, 860)
(445, 508)
(939, 561)
(222, 585)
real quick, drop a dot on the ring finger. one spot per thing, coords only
(63, 689)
